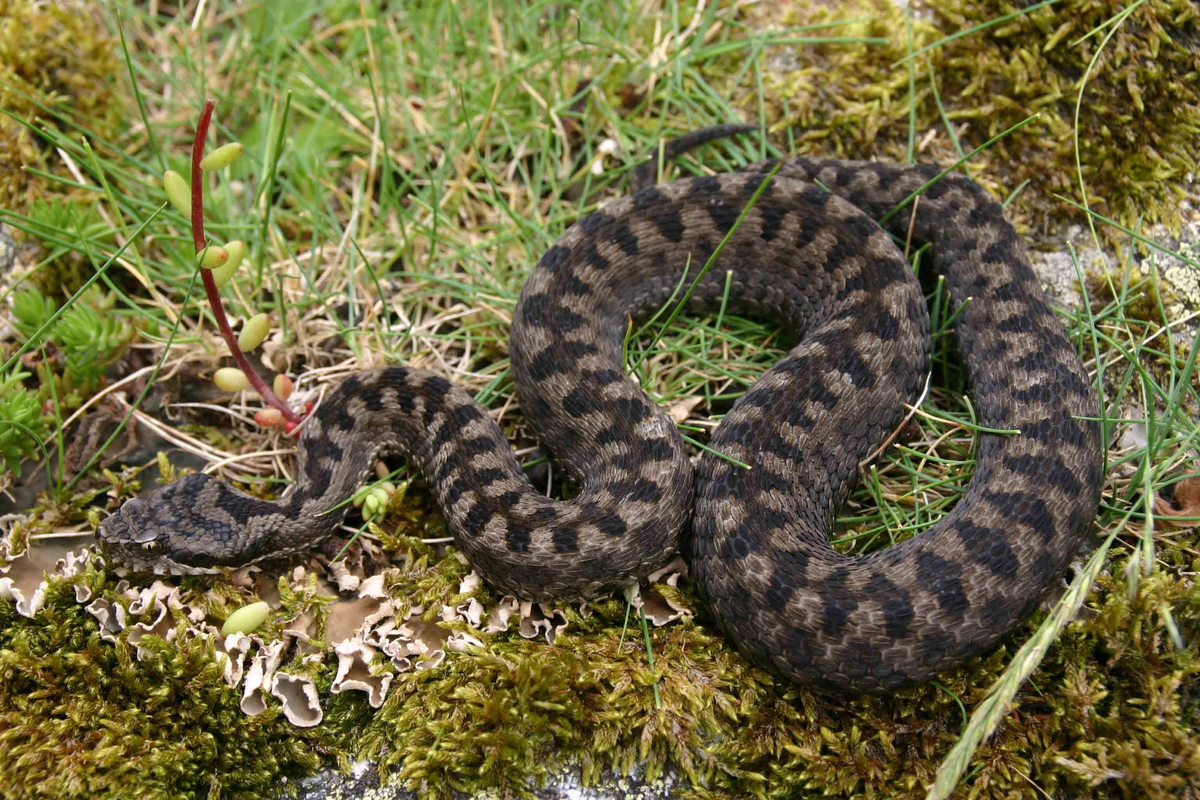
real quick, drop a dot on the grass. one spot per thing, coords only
(402, 174)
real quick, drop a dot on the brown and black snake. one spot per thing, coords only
(808, 256)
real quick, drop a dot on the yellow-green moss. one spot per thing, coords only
(1111, 693)
(1113, 708)
(1112, 702)
(55, 59)
(1138, 122)
(80, 717)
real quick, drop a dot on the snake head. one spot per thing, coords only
(163, 532)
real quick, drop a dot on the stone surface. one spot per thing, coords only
(363, 784)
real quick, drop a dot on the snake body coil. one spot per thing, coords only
(808, 256)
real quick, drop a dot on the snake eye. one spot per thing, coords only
(152, 548)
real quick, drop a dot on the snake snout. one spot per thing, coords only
(121, 523)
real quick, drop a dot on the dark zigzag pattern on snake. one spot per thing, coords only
(815, 263)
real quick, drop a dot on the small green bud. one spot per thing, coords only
(246, 619)
(212, 256)
(371, 506)
(222, 157)
(237, 251)
(222, 274)
(254, 331)
(178, 192)
(282, 386)
(268, 417)
(231, 379)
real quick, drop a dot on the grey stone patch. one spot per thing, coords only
(565, 784)
(361, 784)
(1181, 295)
(1058, 275)
(8, 249)
(1178, 279)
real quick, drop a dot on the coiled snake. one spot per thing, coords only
(809, 256)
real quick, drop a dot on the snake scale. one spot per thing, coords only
(808, 256)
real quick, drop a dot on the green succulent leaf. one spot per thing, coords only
(22, 426)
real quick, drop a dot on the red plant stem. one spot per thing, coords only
(210, 286)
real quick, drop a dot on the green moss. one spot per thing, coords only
(1113, 706)
(80, 717)
(1138, 122)
(1104, 289)
(1112, 693)
(55, 59)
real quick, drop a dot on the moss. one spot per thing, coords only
(1145, 305)
(1140, 109)
(1113, 709)
(1113, 705)
(80, 717)
(55, 59)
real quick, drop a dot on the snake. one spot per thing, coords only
(800, 246)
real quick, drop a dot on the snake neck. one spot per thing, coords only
(336, 453)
